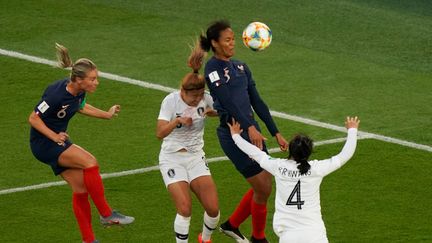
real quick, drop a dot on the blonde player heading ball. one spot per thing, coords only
(298, 212)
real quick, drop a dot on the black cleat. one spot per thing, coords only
(232, 232)
(253, 240)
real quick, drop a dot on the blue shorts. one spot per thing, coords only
(245, 165)
(48, 152)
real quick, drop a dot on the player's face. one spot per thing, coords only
(90, 82)
(193, 97)
(225, 45)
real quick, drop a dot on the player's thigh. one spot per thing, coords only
(205, 190)
(75, 179)
(262, 185)
(76, 157)
(179, 192)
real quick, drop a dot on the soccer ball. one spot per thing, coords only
(257, 36)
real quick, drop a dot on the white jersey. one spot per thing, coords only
(297, 200)
(184, 137)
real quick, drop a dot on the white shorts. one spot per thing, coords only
(303, 236)
(182, 166)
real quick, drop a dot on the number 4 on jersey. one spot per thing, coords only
(296, 191)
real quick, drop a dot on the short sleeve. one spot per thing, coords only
(208, 100)
(167, 108)
(215, 79)
(47, 105)
(82, 104)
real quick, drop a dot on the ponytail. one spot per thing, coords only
(79, 69)
(205, 43)
(196, 58)
(194, 81)
(64, 60)
(300, 148)
(303, 166)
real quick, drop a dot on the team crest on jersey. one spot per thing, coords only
(171, 173)
(226, 74)
(200, 111)
(240, 67)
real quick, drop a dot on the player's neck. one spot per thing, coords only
(222, 57)
(72, 88)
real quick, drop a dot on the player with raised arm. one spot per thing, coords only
(182, 159)
(50, 143)
(297, 218)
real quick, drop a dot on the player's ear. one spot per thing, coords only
(79, 80)
(214, 43)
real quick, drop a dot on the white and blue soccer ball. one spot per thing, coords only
(257, 36)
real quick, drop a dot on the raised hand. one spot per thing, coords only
(352, 122)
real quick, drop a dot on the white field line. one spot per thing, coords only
(343, 129)
(274, 113)
(147, 169)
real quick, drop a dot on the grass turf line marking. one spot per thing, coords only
(151, 168)
(278, 114)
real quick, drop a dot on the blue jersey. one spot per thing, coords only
(57, 107)
(234, 94)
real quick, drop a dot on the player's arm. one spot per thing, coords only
(252, 151)
(164, 127)
(92, 111)
(166, 123)
(37, 123)
(210, 112)
(263, 112)
(223, 94)
(347, 151)
(209, 109)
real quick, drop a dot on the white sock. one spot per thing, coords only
(209, 226)
(181, 228)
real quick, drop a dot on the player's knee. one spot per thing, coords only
(261, 197)
(91, 162)
(213, 212)
(184, 209)
(263, 192)
(79, 188)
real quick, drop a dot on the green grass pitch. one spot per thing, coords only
(328, 59)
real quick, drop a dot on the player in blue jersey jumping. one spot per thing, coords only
(234, 93)
(50, 143)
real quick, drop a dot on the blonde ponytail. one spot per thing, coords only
(197, 56)
(194, 81)
(63, 58)
(79, 69)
